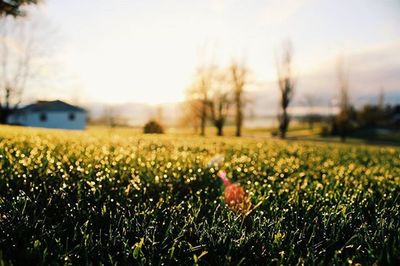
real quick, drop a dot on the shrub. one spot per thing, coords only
(325, 131)
(153, 127)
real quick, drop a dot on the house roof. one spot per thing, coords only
(42, 106)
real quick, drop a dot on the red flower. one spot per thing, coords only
(234, 195)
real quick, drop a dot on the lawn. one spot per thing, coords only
(118, 197)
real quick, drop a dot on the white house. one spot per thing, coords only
(50, 114)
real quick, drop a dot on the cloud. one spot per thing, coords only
(370, 69)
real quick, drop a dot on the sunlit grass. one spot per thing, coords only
(115, 195)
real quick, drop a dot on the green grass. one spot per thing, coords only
(117, 197)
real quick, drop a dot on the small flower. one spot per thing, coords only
(235, 196)
(222, 175)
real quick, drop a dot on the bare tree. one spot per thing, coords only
(198, 96)
(286, 85)
(15, 63)
(219, 102)
(191, 111)
(19, 49)
(239, 76)
(310, 101)
(343, 118)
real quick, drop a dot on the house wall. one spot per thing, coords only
(16, 119)
(55, 119)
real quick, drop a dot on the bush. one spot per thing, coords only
(153, 127)
(325, 130)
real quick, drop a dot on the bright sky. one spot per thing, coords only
(146, 51)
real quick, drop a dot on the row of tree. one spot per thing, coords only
(215, 94)
(366, 121)
(214, 91)
(218, 92)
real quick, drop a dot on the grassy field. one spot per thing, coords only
(117, 197)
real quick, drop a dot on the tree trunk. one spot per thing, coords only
(203, 127)
(284, 124)
(343, 133)
(203, 120)
(282, 134)
(239, 126)
(4, 114)
(3, 117)
(6, 109)
(343, 123)
(220, 130)
(219, 125)
(239, 117)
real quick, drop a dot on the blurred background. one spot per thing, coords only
(304, 69)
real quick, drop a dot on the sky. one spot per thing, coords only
(119, 51)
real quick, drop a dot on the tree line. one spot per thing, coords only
(212, 95)
(218, 92)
